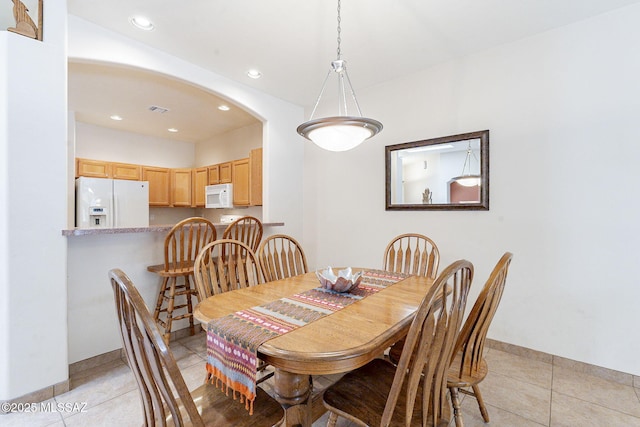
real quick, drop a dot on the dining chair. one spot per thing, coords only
(414, 392)
(158, 375)
(246, 229)
(225, 265)
(468, 366)
(412, 253)
(281, 256)
(181, 245)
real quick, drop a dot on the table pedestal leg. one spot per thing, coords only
(293, 391)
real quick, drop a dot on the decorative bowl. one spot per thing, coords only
(345, 281)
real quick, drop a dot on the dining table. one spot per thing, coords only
(336, 343)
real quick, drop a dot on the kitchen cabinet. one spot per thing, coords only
(240, 179)
(181, 187)
(214, 174)
(255, 177)
(226, 175)
(93, 168)
(126, 171)
(200, 180)
(159, 185)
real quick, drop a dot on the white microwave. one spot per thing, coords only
(219, 196)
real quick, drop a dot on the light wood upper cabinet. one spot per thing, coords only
(181, 187)
(214, 174)
(200, 180)
(126, 171)
(240, 173)
(93, 168)
(255, 177)
(159, 185)
(226, 175)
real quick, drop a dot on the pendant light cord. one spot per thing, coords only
(339, 29)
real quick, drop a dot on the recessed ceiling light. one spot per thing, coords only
(116, 117)
(254, 74)
(141, 22)
(174, 130)
(224, 108)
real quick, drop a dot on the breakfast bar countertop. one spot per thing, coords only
(151, 228)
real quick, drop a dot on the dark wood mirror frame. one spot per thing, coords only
(483, 203)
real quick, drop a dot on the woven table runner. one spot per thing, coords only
(233, 340)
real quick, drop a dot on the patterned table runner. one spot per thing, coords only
(233, 340)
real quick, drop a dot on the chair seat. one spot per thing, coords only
(174, 272)
(362, 395)
(218, 409)
(468, 377)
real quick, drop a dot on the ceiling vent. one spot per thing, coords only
(157, 109)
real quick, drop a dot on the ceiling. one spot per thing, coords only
(291, 42)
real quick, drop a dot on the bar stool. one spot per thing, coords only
(246, 229)
(181, 246)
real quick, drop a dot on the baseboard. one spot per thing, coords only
(586, 368)
(41, 395)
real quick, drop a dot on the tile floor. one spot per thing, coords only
(518, 392)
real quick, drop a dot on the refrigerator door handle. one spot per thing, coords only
(115, 210)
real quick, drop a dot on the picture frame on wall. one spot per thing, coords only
(28, 18)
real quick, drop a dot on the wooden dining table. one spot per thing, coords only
(339, 342)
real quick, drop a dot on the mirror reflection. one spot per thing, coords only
(442, 173)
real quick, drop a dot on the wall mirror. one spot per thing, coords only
(447, 173)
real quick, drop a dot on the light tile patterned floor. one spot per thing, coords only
(518, 392)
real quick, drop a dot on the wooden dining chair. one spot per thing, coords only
(468, 366)
(225, 265)
(281, 256)
(158, 375)
(181, 245)
(414, 392)
(246, 229)
(412, 253)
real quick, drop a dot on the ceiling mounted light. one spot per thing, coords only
(223, 108)
(254, 74)
(115, 117)
(342, 132)
(142, 23)
(172, 130)
(468, 179)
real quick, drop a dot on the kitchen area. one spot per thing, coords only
(131, 186)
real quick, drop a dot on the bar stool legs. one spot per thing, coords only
(169, 290)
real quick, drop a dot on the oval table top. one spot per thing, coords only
(339, 342)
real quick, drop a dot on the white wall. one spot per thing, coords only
(232, 145)
(97, 142)
(562, 112)
(33, 209)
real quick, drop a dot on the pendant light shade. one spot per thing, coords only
(339, 133)
(343, 131)
(468, 179)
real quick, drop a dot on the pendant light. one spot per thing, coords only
(342, 132)
(468, 180)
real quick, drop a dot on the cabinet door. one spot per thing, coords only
(93, 168)
(181, 187)
(241, 182)
(214, 174)
(159, 185)
(126, 171)
(200, 178)
(255, 177)
(225, 173)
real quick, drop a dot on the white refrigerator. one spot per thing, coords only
(111, 203)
